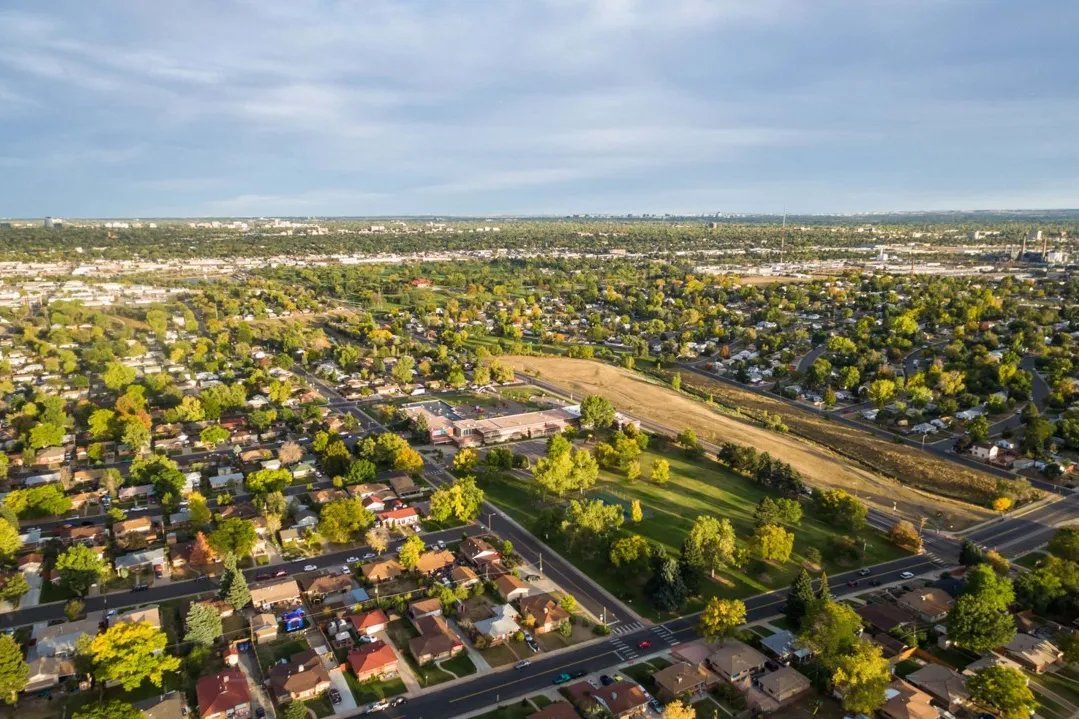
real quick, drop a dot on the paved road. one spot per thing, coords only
(595, 599)
(811, 357)
(175, 590)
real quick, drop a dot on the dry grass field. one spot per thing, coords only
(822, 467)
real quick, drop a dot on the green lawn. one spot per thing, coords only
(461, 665)
(541, 701)
(1030, 561)
(373, 690)
(953, 656)
(906, 667)
(321, 705)
(697, 486)
(761, 630)
(641, 673)
(518, 710)
(428, 674)
(707, 708)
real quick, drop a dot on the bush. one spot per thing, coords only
(601, 630)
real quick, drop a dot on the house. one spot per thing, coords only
(404, 517)
(404, 486)
(375, 660)
(784, 685)
(50, 456)
(288, 536)
(557, 710)
(736, 661)
(142, 491)
(545, 609)
(885, 617)
(904, 701)
(496, 628)
(782, 646)
(477, 550)
(329, 584)
(1033, 652)
(679, 679)
(283, 591)
(138, 560)
(138, 525)
(68, 535)
(264, 627)
(985, 452)
(149, 615)
(463, 577)
(622, 699)
(892, 649)
(929, 605)
(59, 640)
(370, 622)
(510, 587)
(381, 570)
(47, 672)
(436, 641)
(989, 660)
(304, 676)
(433, 561)
(430, 607)
(373, 503)
(223, 695)
(166, 706)
(945, 685)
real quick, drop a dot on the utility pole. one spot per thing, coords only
(541, 562)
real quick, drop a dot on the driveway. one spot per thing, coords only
(348, 701)
(249, 666)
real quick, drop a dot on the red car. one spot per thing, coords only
(852, 583)
(644, 645)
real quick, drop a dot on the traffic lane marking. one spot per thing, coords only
(532, 676)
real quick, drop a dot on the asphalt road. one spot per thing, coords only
(173, 590)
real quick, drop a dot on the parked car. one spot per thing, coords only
(562, 678)
(578, 673)
(353, 560)
(865, 572)
(533, 578)
(280, 573)
(346, 570)
(398, 701)
(370, 555)
(606, 680)
(260, 713)
(906, 575)
(874, 582)
(378, 706)
(335, 696)
(140, 587)
(310, 568)
(522, 664)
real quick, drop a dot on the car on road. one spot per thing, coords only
(441, 544)
(370, 555)
(398, 701)
(353, 560)
(906, 575)
(378, 706)
(140, 587)
(263, 575)
(310, 567)
(852, 583)
(346, 570)
(280, 573)
(644, 645)
(865, 572)
(522, 664)
(335, 696)
(562, 678)
(874, 582)
(578, 673)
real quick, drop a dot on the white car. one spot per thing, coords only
(378, 706)
(353, 560)
(346, 570)
(522, 664)
(370, 555)
(310, 568)
(906, 575)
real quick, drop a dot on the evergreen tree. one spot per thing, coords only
(799, 597)
(203, 624)
(234, 587)
(824, 591)
(969, 553)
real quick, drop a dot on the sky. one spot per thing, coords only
(476, 107)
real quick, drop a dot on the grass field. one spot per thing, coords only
(820, 465)
(697, 486)
(371, 691)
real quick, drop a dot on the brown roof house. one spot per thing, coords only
(382, 570)
(1033, 652)
(463, 576)
(165, 706)
(264, 627)
(510, 587)
(329, 584)
(302, 677)
(904, 701)
(477, 550)
(433, 561)
(945, 685)
(436, 641)
(545, 609)
(270, 594)
(223, 694)
(736, 661)
(429, 607)
(375, 660)
(784, 685)
(885, 617)
(622, 699)
(370, 622)
(930, 604)
(679, 679)
(557, 710)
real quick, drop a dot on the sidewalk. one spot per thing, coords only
(404, 671)
(482, 664)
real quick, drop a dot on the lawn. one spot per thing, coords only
(461, 665)
(640, 673)
(519, 710)
(321, 705)
(428, 674)
(501, 655)
(373, 690)
(541, 701)
(270, 653)
(1030, 561)
(697, 486)
(708, 709)
(957, 658)
(907, 667)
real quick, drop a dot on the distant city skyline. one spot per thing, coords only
(553, 107)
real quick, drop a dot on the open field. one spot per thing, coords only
(698, 486)
(820, 466)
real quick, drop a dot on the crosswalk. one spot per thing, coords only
(625, 628)
(627, 651)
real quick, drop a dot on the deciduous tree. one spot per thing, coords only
(79, 568)
(130, 653)
(721, 617)
(1004, 691)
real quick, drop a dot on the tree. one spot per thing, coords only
(666, 589)
(289, 453)
(361, 471)
(864, 675)
(341, 520)
(1002, 504)
(687, 439)
(712, 541)
(721, 617)
(980, 620)
(678, 710)
(233, 585)
(198, 510)
(630, 553)
(661, 471)
(9, 541)
(101, 424)
(14, 670)
(201, 552)
(772, 543)
(881, 392)
(568, 603)
(978, 430)
(1004, 691)
(408, 555)
(130, 653)
(1065, 543)
(203, 624)
(553, 473)
(462, 500)
(214, 435)
(73, 609)
(79, 567)
(111, 709)
(465, 459)
(267, 480)
(378, 539)
(636, 514)
(46, 434)
(830, 629)
(778, 511)
(596, 411)
(590, 523)
(799, 597)
(840, 508)
(969, 553)
(294, 710)
(14, 586)
(408, 460)
(903, 534)
(233, 536)
(117, 376)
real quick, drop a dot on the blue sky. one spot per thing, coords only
(369, 107)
